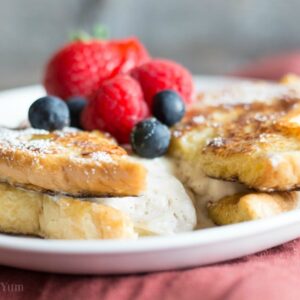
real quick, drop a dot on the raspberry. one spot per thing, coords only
(80, 67)
(161, 74)
(116, 108)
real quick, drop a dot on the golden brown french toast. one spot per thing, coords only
(248, 207)
(253, 142)
(76, 163)
(34, 213)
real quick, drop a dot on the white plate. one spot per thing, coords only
(147, 254)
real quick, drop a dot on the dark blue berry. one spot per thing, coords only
(168, 107)
(49, 113)
(76, 104)
(150, 138)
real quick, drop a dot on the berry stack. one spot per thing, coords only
(116, 87)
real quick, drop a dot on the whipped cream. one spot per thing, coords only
(205, 189)
(165, 207)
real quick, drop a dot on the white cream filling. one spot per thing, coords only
(205, 189)
(165, 207)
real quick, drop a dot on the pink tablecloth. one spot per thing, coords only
(273, 274)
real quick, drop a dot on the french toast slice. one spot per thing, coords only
(253, 142)
(38, 214)
(70, 162)
(248, 207)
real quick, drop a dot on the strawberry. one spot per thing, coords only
(133, 54)
(79, 68)
(116, 107)
(161, 74)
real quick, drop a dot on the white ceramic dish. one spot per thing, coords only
(145, 255)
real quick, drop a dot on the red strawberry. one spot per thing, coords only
(116, 107)
(80, 67)
(161, 74)
(133, 54)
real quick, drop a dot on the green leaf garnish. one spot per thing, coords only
(80, 36)
(100, 32)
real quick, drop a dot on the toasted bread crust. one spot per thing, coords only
(74, 163)
(255, 143)
(33, 213)
(247, 207)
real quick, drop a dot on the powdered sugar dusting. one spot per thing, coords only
(217, 142)
(41, 142)
(102, 156)
(261, 118)
(275, 159)
(247, 92)
(21, 140)
(199, 119)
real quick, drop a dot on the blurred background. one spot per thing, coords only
(207, 36)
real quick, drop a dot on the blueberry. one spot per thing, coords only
(76, 104)
(49, 113)
(150, 138)
(168, 107)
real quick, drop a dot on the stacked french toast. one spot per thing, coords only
(246, 140)
(73, 184)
